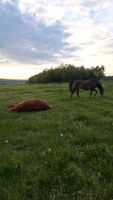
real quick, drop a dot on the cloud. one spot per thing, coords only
(47, 11)
(38, 32)
(25, 40)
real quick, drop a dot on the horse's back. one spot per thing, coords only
(83, 84)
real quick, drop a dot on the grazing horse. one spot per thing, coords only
(30, 105)
(75, 86)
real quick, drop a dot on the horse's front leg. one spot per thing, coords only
(95, 92)
(72, 92)
(77, 92)
(91, 91)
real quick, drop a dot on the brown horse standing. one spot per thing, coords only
(75, 86)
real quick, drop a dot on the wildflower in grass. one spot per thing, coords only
(49, 150)
(61, 134)
(6, 141)
(43, 153)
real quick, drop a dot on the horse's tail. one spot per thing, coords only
(71, 86)
(100, 87)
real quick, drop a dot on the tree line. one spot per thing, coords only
(66, 73)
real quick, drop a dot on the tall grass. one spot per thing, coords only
(60, 154)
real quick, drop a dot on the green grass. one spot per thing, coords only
(61, 154)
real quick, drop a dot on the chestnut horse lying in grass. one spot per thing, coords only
(30, 105)
(75, 86)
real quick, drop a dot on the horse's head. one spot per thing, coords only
(101, 89)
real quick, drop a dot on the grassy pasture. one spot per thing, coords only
(60, 154)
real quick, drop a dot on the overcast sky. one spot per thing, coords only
(39, 34)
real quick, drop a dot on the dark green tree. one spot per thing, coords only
(67, 72)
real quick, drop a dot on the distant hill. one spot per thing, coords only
(11, 81)
(108, 78)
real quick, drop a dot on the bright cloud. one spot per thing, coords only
(37, 34)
